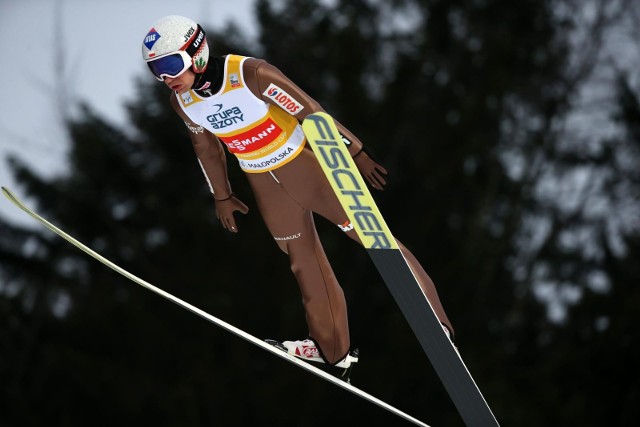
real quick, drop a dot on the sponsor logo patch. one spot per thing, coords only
(283, 99)
(292, 237)
(186, 98)
(344, 177)
(151, 38)
(198, 40)
(308, 351)
(225, 118)
(234, 80)
(199, 64)
(188, 34)
(194, 129)
(253, 139)
(346, 226)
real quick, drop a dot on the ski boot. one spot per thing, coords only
(309, 352)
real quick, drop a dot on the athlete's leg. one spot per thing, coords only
(323, 299)
(427, 286)
(324, 201)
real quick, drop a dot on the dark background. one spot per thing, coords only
(465, 110)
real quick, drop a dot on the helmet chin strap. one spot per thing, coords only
(198, 83)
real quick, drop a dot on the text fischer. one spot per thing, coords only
(345, 176)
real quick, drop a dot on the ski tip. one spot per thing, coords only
(8, 194)
(12, 198)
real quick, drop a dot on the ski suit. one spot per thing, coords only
(256, 114)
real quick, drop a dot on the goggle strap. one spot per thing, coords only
(191, 48)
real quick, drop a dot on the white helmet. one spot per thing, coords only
(173, 45)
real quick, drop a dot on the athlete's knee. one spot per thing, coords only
(300, 254)
(285, 243)
(283, 247)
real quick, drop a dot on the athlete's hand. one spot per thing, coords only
(225, 209)
(372, 171)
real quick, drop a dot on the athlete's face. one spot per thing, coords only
(182, 83)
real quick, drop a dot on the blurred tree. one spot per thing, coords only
(590, 257)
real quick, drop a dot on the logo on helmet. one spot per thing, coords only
(199, 64)
(189, 34)
(196, 43)
(151, 38)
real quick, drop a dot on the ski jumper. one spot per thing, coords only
(256, 114)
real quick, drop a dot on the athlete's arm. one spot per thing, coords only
(213, 161)
(263, 79)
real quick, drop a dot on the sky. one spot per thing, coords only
(100, 44)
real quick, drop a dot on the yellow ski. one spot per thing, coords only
(347, 183)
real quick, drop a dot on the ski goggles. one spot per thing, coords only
(170, 65)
